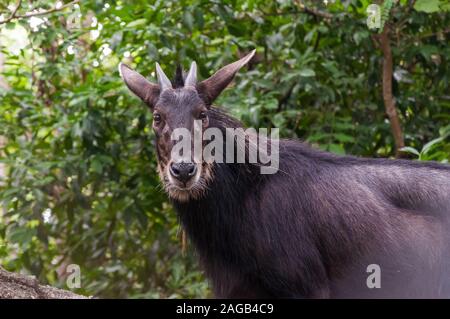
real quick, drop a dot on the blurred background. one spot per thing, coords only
(78, 183)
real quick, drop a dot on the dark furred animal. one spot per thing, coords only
(310, 230)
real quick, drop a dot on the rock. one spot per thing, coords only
(17, 286)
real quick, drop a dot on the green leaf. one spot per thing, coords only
(78, 100)
(360, 35)
(336, 148)
(428, 6)
(10, 25)
(271, 104)
(97, 166)
(278, 120)
(136, 23)
(409, 149)
(428, 50)
(188, 19)
(427, 147)
(318, 137)
(343, 138)
(21, 235)
(307, 73)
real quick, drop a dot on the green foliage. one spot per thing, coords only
(385, 11)
(431, 6)
(80, 183)
(435, 150)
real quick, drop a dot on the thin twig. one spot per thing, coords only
(13, 14)
(318, 13)
(313, 11)
(34, 14)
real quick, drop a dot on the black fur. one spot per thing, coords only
(311, 230)
(178, 81)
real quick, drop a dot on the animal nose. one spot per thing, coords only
(183, 171)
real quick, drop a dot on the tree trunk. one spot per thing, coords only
(15, 286)
(389, 101)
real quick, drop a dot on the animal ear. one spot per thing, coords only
(210, 88)
(140, 86)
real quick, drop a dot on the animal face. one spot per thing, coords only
(181, 105)
(182, 177)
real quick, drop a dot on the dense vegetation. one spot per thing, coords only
(79, 184)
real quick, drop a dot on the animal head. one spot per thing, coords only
(180, 105)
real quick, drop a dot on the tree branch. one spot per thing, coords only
(285, 97)
(313, 11)
(388, 98)
(15, 16)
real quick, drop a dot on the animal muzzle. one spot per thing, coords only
(183, 171)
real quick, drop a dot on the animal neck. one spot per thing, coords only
(214, 221)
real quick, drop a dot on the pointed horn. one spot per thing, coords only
(163, 80)
(213, 86)
(139, 85)
(191, 79)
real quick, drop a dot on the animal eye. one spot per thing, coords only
(157, 118)
(202, 115)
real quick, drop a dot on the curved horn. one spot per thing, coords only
(163, 80)
(191, 79)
